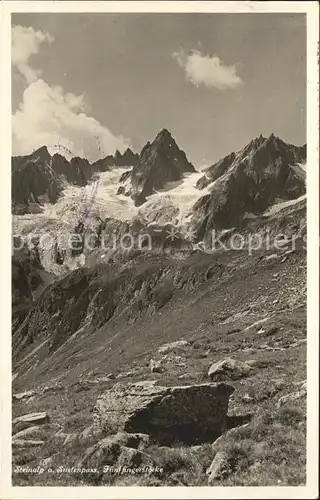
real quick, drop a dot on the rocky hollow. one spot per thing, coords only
(189, 414)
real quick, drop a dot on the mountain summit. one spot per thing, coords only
(160, 162)
(265, 171)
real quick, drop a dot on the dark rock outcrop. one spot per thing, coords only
(127, 159)
(160, 162)
(138, 199)
(28, 279)
(215, 171)
(104, 164)
(190, 414)
(125, 176)
(34, 181)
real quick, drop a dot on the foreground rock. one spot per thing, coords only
(108, 450)
(229, 368)
(294, 396)
(36, 431)
(219, 467)
(29, 420)
(190, 414)
(23, 395)
(179, 345)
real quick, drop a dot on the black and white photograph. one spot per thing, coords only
(158, 244)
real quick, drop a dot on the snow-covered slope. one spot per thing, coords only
(99, 199)
(283, 204)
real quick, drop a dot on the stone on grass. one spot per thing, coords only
(108, 450)
(23, 395)
(294, 396)
(26, 443)
(131, 458)
(229, 368)
(35, 432)
(179, 345)
(47, 462)
(156, 366)
(219, 467)
(29, 420)
(70, 439)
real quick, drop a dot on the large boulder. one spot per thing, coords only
(294, 397)
(190, 414)
(229, 368)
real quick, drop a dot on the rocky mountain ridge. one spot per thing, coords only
(41, 177)
(248, 182)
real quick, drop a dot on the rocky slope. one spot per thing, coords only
(158, 334)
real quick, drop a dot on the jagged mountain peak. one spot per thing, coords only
(41, 154)
(164, 134)
(41, 150)
(163, 144)
(160, 162)
(165, 140)
(257, 141)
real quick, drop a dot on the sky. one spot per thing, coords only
(95, 83)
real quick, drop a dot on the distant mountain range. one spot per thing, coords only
(40, 177)
(264, 172)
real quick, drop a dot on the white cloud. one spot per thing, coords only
(25, 43)
(209, 71)
(48, 115)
